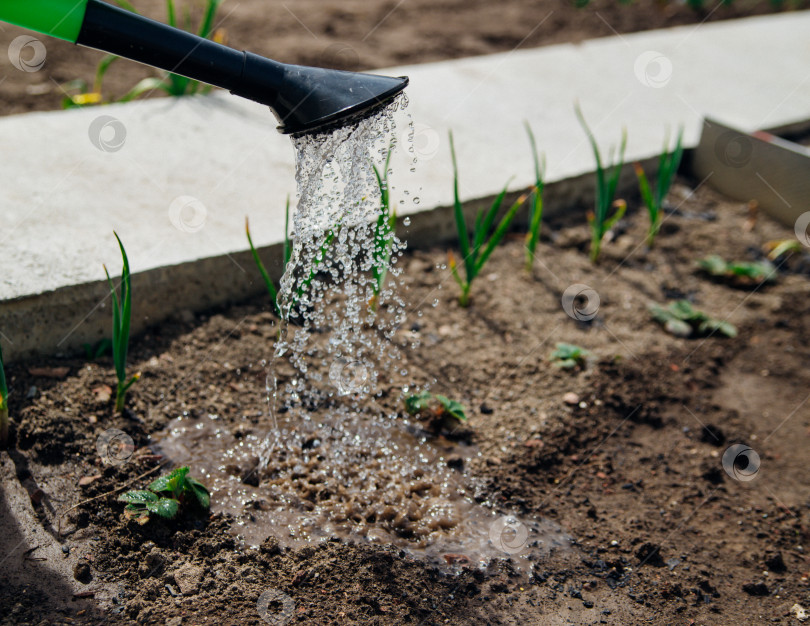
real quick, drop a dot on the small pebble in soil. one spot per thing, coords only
(673, 563)
(571, 398)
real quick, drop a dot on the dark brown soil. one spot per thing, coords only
(630, 468)
(363, 34)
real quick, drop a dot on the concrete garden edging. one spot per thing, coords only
(73, 178)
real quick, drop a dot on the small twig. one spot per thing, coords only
(109, 493)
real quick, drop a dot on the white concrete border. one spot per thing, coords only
(70, 178)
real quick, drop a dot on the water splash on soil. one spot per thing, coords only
(335, 463)
(358, 478)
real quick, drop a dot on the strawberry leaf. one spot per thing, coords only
(141, 498)
(173, 481)
(165, 507)
(199, 491)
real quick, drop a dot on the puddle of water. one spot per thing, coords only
(331, 463)
(357, 478)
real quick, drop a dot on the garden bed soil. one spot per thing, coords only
(365, 34)
(625, 456)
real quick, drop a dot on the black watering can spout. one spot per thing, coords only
(304, 99)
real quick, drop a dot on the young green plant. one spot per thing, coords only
(781, 248)
(121, 313)
(3, 403)
(653, 195)
(681, 319)
(476, 252)
(569, 356)
(94, 351)
(607, 180)
(93, 94)
(165, 496)
(740, 273)
(383, 234)
(440, 412)
(286, 254)
(535, 203)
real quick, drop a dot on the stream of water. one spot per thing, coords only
(335, 463)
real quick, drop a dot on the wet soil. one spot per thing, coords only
(625, 455)
(364, 34)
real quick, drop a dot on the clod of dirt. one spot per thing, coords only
(81, 571)
(775, 562)
(648, 554)
(270, 546)
(712, 435)
(152, 564)
(756, 589)
(36, 496)
(713, 474)
(188, 578)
